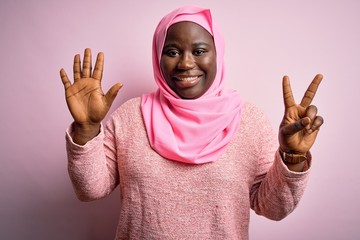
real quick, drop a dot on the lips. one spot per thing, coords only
(186, 81)
(190, 78)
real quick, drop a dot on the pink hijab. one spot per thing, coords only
(190, 131)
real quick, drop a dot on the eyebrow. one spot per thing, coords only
(196, 44)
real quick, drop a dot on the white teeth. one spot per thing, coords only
(187, 78)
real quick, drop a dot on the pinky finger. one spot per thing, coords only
(65, 79)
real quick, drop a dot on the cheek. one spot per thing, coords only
(166, 69)
(162, 66)
(211, 68)
(166, 65)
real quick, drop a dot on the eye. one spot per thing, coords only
(199, 52)
(172, 53)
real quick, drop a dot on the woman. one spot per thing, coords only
(191, 158)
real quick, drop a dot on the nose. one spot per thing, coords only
(186, 61)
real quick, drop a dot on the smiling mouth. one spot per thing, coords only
(186, 82)
(187, 79)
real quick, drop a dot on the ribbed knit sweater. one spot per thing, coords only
(164, 199)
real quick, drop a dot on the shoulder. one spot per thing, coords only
(251, 112)
(253, 121)
(130, 106)
(256, 131)
(127, 113)
(133, 103)
(125, 122)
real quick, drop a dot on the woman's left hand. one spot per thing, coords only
(300, 124)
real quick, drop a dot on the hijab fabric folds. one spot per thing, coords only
(192, 131)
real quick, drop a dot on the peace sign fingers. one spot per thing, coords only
(300, 124)
(287, 93)
(311, 91)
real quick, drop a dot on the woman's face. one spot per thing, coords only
(188, 60)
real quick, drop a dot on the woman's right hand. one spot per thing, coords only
(85, 99)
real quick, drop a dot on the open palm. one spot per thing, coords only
(85, 99)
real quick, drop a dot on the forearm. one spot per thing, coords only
(280, 190)
(87, 182)
(93, 171)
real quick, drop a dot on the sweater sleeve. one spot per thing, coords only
(276, 190)
(92, 167)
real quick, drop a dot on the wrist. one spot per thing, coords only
(82, 133)
(296, 164)
(292, 157)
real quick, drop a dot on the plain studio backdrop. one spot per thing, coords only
(264, 41)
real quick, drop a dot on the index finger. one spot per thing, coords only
(99, 65)
(311, 91)
(287, 93)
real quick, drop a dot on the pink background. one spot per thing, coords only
(265, 40)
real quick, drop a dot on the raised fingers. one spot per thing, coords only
(64, 79)
(98, 71)
(87, 66)
(311, 91)
(287, 93)
(77, 67)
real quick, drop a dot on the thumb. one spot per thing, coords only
(112, 93)
(295, 127)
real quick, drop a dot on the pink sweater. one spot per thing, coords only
(162, 199)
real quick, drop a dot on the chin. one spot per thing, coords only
(189, 95)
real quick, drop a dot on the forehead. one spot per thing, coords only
(188, 31)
